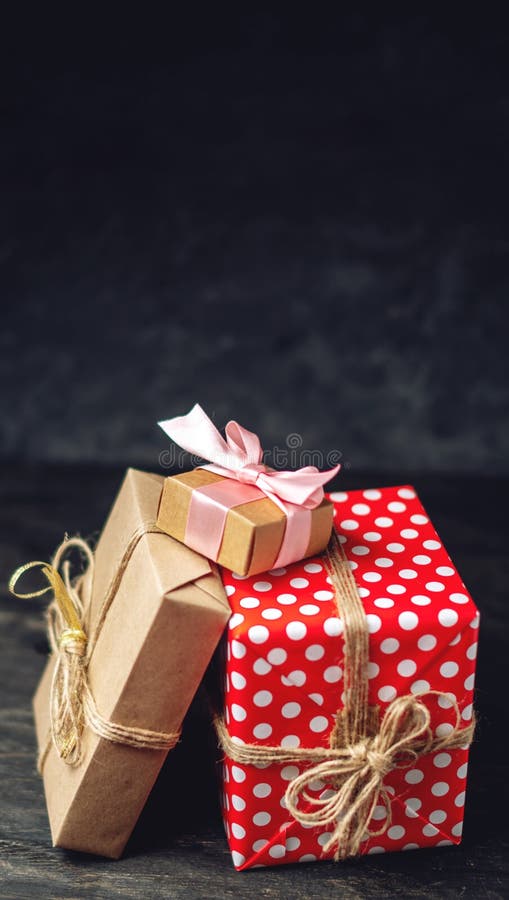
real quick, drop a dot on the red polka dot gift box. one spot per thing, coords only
(294, 683)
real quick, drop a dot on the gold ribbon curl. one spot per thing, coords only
(72, 705)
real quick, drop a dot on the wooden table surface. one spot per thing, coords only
(178, 848)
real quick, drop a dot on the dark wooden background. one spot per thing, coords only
(178, 848)
(298, 219)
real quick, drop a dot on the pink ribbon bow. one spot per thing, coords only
(239, 458)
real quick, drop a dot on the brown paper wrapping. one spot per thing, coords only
(254, 531)
(151, 653)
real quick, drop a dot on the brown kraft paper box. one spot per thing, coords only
(151, 653)
(254, 531)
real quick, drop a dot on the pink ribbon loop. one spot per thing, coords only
(200, 437)
(239, 456)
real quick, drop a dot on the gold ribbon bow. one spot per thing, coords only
(72, 705)
(362, 749)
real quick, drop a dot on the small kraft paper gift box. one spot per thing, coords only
(236, 510)
(131, 640)
(348, 693)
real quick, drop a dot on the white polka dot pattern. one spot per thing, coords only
(285, 670)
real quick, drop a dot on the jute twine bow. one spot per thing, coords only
(362, 749)
(72, 705)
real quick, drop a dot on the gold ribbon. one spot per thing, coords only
(362, 749)
(72, 705)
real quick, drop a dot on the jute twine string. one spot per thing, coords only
(72, 705)
(362, 749)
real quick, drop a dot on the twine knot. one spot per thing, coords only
(72, 705)
(74, 642)
(366, 754)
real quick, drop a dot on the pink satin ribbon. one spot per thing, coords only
(239, 459)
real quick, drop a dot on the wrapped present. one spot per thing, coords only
(236, 510)
(131, 639)
(348, 693)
